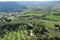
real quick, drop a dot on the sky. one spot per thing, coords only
(27, 0)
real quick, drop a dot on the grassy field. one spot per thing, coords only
(53, 17)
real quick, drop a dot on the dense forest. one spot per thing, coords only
(32, 20)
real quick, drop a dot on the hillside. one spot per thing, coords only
(33, 20)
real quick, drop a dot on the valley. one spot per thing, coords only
(30, 20)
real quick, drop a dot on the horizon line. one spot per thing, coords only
(23, 1)
(26, 0)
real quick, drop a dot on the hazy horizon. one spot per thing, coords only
(27, 0)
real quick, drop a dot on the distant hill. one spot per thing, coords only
(11, 7)
(25, 5)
